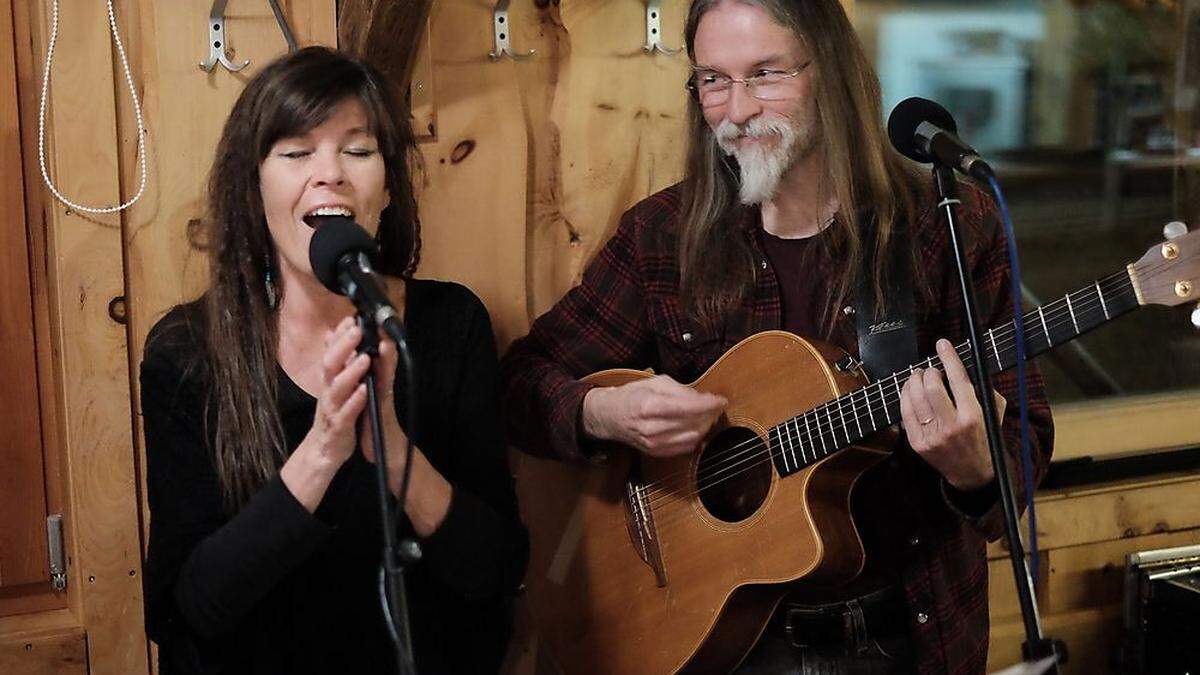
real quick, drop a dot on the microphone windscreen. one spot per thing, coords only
(335, 236)
(907, 116)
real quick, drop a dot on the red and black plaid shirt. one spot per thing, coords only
(627, 313)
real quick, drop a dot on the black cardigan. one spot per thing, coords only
(274, 589)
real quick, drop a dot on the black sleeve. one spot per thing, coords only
(205, 571)
(481, 548)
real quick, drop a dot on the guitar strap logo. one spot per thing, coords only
(886, 327)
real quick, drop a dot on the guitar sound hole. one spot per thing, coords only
(734, 474)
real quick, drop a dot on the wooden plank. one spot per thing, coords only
(473, 202)
(1114, 511)
(50, 643)
(620, 117)
(90, 369)
(1093, 575)
(420, 90)
(23, 558)
(30, 598)
(50, 407)
(1130, 424)
(1077, 577)
(1092, 636)
(51, 655)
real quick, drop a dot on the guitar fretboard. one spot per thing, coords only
(810, 437)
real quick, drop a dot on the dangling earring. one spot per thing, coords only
(269, 281)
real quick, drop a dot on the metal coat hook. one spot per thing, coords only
(283, 25)
(217, 43)
(502, 31)
(654, 30)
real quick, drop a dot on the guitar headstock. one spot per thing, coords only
(1169, 273)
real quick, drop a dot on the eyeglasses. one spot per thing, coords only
(712, 88)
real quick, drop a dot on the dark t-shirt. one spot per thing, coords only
(275, 589)
(802, 289)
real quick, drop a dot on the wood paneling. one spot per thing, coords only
(50, 643)
(88, 361)
(1103, 429)
(535, 159)
(620, 118)
(1083, 537)
(1091, 636)
(473, 200)
(1114, 511)
(23, 559)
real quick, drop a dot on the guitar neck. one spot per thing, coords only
(809, 437)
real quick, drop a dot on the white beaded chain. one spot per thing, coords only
(137, 111)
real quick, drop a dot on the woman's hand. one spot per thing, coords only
(345, 395)
(393, 435)
(332, 438)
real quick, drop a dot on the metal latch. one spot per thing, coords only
(58, 557)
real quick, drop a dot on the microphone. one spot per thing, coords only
(339, 256)
(925, 132)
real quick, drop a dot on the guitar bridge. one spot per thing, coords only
(642, 531)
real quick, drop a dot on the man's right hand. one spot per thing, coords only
(658, 416)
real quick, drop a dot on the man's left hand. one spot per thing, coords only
(948, 434)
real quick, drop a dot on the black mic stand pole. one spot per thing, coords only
(1036, 646)
(393, 560)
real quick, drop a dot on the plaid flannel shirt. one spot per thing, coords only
(626, 313)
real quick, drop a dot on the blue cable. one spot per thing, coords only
(1022, 394)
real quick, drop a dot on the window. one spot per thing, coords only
(1089, 112)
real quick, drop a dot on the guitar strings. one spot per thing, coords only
(665, 522)
(1003, 337)
(756, 444)
(831, 428)
(752, 448)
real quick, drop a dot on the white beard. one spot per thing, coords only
(761, 167)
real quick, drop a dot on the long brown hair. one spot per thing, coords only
(289, 97)
(875, 187)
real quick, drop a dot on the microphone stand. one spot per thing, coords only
(395, 559)
(1036, 646)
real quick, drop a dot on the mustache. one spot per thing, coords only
(757, 127)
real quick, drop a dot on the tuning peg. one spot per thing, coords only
(1196, 316)
(1174, 229)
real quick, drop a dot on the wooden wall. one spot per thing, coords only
(82, 351)
(138, 262)
(534, 160)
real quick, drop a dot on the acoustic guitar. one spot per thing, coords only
(646, 566)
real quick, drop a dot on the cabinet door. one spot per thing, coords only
(24, 572)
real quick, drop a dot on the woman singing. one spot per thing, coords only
(265, 542)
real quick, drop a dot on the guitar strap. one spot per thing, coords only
(887, 337)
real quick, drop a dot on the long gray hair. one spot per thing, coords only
(870, 180)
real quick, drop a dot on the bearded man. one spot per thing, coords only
(792, 198)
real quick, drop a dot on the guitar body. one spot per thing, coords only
(635, 569)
